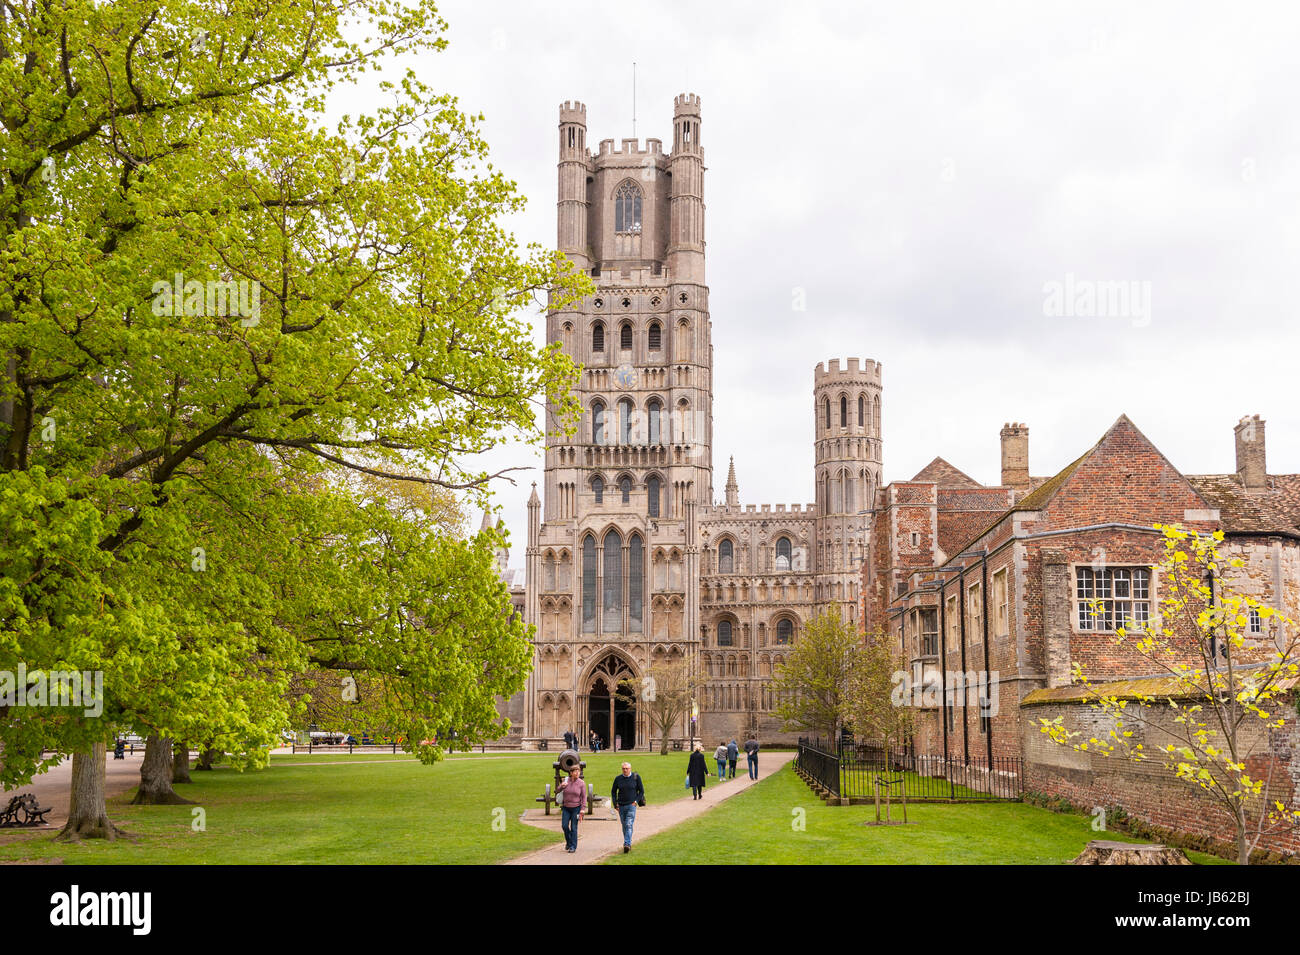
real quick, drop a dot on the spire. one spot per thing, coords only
(733, 492)
(533, 499)
(486, 523)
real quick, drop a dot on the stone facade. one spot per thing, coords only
(630, 557)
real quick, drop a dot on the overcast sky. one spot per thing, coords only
(923, 172)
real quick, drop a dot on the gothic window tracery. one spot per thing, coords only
(627, 208)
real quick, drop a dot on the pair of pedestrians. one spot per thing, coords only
(627, 794)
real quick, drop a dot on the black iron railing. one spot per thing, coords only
(854, 770)
(820, 761)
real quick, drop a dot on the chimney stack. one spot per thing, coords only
(1251, 468)
(1015, 456)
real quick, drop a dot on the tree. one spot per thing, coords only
(813, 682)
(214, 307)
(872, 703)
(1213, 714)
(667, 690)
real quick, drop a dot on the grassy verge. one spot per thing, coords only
(761, 826)
(369, 809)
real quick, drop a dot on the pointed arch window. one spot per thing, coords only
(726, 557)
(862, 403)
(598, 337)
(652, 496)
(589, 584)
(625, 421)
(627, 208)
(844, 411)
(598, 422)
(724, 633)
(656, 336)
(783, 553)
(655, 414)
(635, 584)
(625, 336)
(598, 488)
(827, 404)
(625, 485)
(612, 605)
(784, 630)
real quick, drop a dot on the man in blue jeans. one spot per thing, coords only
(751, 754)
(627, 793)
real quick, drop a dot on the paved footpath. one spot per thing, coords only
(600, 836)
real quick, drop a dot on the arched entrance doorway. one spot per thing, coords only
(611, 703)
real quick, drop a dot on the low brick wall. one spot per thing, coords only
(1148, 791)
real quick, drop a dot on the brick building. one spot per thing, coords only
(971, 580)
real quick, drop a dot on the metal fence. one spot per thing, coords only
(853, 770)
(821, 762)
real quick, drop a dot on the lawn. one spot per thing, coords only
(757, 827)
(370, 809)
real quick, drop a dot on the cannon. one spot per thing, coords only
(569, 759)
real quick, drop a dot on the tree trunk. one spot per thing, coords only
(207, 756)
(181, 763)
(1243, 850)
(156, 775)
(87, 812)
(1102, 852)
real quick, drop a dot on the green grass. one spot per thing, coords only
(755, 828)
(305, 810)
(859, 783)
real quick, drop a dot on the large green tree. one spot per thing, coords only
(214, 308)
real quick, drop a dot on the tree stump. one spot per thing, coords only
(1102, 852)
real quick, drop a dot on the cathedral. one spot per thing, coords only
(631, 559)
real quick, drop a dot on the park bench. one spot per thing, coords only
(22, 811)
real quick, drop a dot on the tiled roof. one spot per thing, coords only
(1271, 511)
(944, 474)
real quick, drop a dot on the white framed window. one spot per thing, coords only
(1110, 597)
(1001, 618)
(1256, 622)
(974, 614)
(930, 632)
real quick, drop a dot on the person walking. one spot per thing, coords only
(595, 742)
(751, 755)
(697, 771)
(573, 800)
(627, 793)
(720, 757)
(733, 754)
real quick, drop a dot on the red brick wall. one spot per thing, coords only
(1148, 790)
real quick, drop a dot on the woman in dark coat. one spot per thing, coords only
(697, 771)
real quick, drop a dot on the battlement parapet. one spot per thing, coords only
(830, 373)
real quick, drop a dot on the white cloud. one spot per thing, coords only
(921, 171)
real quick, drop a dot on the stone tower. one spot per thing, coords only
(610, 560)
(846, 405)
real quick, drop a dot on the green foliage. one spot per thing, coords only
(178, 473)
(813, 683)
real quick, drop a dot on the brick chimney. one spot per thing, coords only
(1249, 435)
(1015, 456)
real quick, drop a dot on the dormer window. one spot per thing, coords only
(627, 208)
